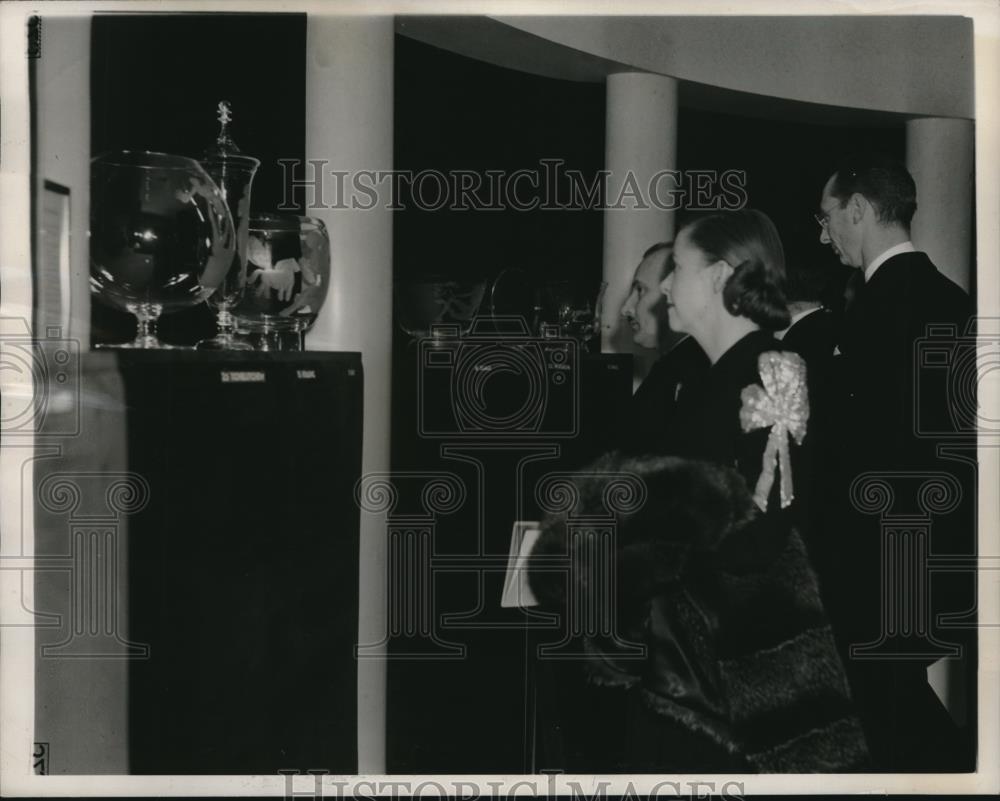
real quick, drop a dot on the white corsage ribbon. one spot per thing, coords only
(781, 404)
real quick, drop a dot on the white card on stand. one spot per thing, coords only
(516, 590)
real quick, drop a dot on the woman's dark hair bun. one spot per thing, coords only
(751, 292)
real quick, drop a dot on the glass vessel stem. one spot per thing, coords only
(146, 314)
(225, 323)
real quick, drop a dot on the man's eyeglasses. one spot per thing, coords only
(823, 218)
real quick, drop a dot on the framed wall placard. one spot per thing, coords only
(52, 278)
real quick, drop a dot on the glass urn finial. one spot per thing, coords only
(233, 173)
(224, 144)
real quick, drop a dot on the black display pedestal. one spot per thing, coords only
(225, 565)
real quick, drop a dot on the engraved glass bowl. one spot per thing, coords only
(287, 278)
(161, 237)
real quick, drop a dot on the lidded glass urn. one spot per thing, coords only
(233, 173)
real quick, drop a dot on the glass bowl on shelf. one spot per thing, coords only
(287, 279)
(161, 237)
(426, 307)
(575, 307)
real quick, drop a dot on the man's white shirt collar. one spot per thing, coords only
(882, 258)
(795, 318)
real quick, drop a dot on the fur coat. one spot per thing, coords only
(738, 668)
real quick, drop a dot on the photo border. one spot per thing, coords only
(16, 645)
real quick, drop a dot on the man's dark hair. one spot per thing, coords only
(806, 282)
(668, 263)
(883, 181)
(668, 245)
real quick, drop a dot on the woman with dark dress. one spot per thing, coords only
(740, 670)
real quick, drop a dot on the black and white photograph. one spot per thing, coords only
(499, 399)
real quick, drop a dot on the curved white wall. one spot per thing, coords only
(913, 65)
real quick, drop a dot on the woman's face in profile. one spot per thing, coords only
(688, 287)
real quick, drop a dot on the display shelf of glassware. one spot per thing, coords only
(168, 232)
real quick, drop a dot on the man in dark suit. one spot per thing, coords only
(681, 358)
(865, 213)
(813, 334)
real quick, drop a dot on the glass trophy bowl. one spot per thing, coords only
(161, 237)
(287, 278)
(575, 308)
(426, 307)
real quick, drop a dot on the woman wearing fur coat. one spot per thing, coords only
(714, 653)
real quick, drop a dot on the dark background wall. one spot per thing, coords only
(456, 113)
(786, 165)
(451, 113)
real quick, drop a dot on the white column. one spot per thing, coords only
(84, 717)
(640, 141)
(349, 96)
(62, 124)
(939, 155)
(17, 643)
